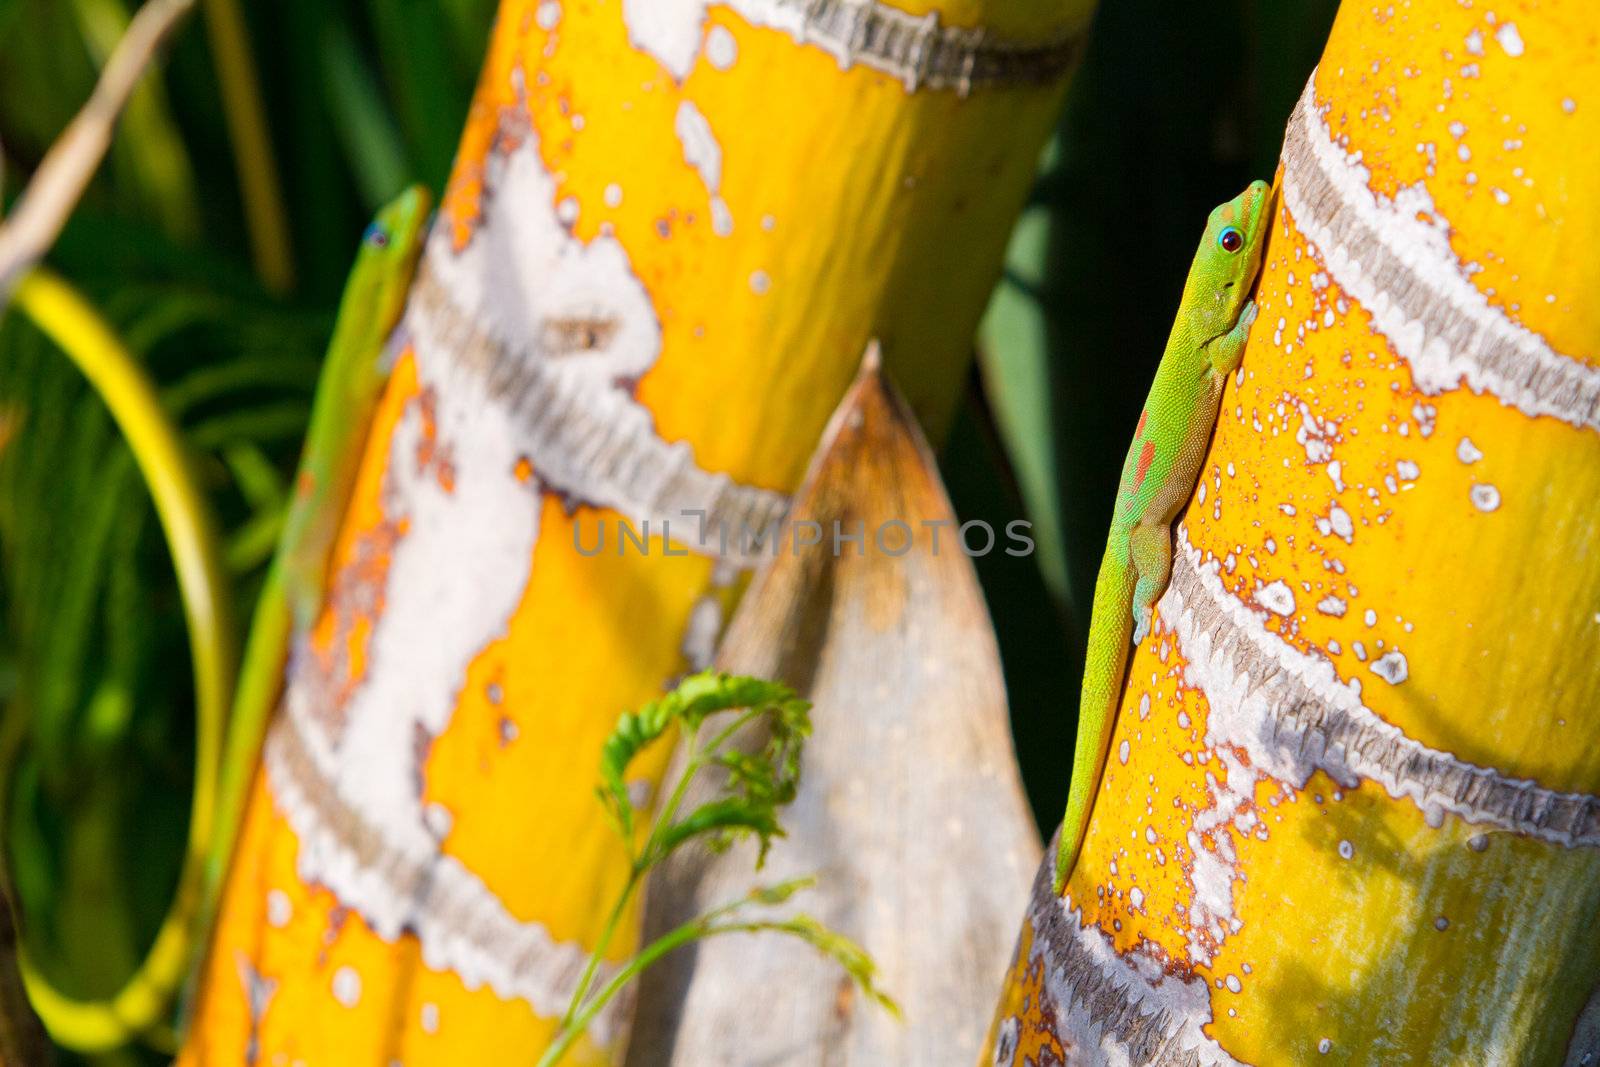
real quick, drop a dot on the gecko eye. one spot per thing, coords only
(1230, 239)
(376, 237)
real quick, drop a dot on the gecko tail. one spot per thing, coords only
(1110, 626)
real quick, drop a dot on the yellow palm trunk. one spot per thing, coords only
(1352, 813)
(671, 230)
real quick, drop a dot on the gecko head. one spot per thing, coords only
(1229, 256)
(399, 221)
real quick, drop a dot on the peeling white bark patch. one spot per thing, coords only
(258, 994)
(347, 986)
(1391, 667)
(547, 333)
(1212, 871)
(1393, 256)
(399, 887)
(721, 49)
(1485, 497)
(1113, 1011)
(703, 152)
(279, 910)
(666, 29)
(915, 50)
(705, 626)
(1276, 597)
(1292, 715)
(700, 147)
(1509, 39)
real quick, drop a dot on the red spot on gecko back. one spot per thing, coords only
(1146, 455)
(1144, 417)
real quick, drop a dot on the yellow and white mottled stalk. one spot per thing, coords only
(671, 229)
(1352, 813)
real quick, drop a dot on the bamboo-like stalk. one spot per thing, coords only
(1352, 813)
(671, 230)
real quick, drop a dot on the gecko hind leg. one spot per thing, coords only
(1151, 549)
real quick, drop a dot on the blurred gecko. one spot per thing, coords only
(347, 394)
(1158, 476)
(352, 376)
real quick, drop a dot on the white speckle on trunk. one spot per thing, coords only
(347, 986)
(700, 147)
(1509, 38)
(1276, 597)
(667, 29)
(1391, 667)
(279, 910)
(1393, 255)
(722, 51)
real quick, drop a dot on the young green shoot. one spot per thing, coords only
(756, 784)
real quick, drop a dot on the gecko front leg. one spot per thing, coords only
(1150, 546)
(1226, 351)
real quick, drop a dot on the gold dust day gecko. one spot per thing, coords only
(347, 391)
(1163, 463)
(352, 376)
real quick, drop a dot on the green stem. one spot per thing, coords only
(701, 926)
(637, 866)
(577, 1015)
(571, 1029)
(613, 921)
(648, 857)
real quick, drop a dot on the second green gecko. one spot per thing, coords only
(347, 393)
(1158, 476)
(352, 377)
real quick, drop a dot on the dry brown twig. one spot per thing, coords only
(66, 169)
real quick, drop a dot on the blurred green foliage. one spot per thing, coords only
(363, 97)
(1175, 108)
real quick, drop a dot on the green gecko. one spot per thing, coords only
(347, 393)
(352, 376)
(1163, 463)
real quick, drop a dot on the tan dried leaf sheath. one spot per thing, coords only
(1352, 809)
(910, 809)
(617, 318)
